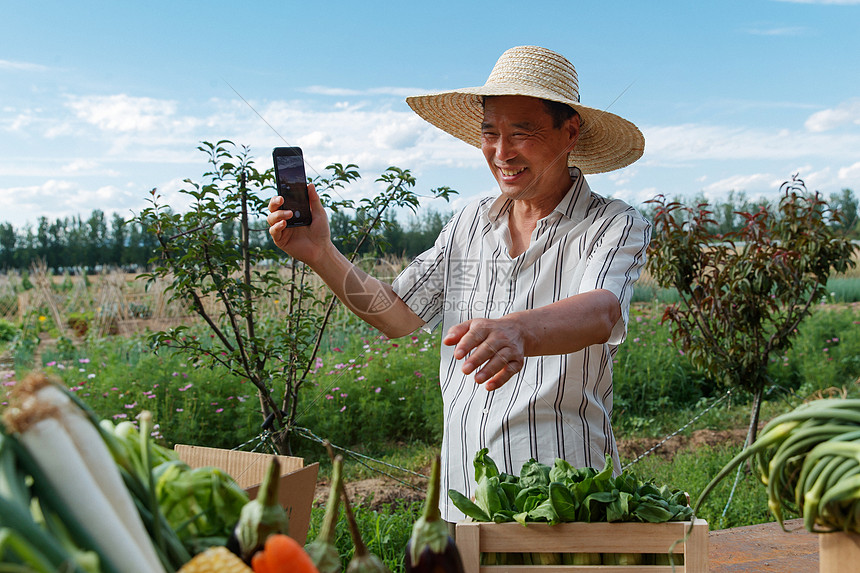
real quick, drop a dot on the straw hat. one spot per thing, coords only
(606, 141)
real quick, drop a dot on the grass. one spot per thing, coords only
(379, 398)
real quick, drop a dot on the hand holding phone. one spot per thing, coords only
(292, 184)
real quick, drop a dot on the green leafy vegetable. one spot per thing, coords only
(562, 493)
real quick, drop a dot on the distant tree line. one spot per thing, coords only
(99, 241)
(727, 218)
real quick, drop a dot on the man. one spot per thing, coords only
(532, 288)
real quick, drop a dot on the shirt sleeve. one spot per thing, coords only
(616, 260)
(421, 285)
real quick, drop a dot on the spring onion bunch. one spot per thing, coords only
(809, 460)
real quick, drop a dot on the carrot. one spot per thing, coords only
(259, 563)
(282, 554)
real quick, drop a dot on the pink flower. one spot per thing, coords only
(378, 390)
(219, 410)
(342, 409)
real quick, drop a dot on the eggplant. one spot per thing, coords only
(260, 517)
(430, 549)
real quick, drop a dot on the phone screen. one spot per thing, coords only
(292, 185)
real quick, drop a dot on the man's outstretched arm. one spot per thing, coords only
(369, 298)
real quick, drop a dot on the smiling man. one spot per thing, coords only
(532, 287)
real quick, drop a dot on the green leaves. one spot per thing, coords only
(562, 493)
(265, 315)
(743, 293)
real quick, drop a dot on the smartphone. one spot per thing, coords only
(292, 184)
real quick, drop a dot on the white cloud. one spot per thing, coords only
(43, 198)
(741, 182)
(696, 142)
(850, 173)
(348, 92)
(400, 135)
(79, 165)
(783, 31)
(22, 66)
(123, 113)
(846, 113)
(18, 122)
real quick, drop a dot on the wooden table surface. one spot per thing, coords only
(764, 547)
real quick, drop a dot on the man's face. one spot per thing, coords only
(526, 154)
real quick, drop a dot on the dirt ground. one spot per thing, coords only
(378, 492)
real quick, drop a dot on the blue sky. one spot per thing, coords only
(102, 101)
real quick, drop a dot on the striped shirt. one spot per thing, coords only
(556, 406)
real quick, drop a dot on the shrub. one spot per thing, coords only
(8, 331)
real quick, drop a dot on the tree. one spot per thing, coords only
(8, 239)
(96, 229)
(846, 203)
(204, 265)
(742, 295)
(117, 240)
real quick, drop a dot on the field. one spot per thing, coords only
(378, 399)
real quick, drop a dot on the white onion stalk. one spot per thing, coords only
(82, 472)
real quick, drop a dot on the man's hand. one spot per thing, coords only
(306, 244)
(497, 346)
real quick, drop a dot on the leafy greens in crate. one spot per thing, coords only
(562, 493)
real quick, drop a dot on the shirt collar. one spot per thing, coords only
(579, 190)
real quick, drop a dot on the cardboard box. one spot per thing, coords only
(838, 552)
(295, 489)
(474, 538)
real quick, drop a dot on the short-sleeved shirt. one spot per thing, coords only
(557, 406)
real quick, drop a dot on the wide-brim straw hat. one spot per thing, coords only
(606, 141)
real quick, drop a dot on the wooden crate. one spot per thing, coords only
(838, 552)
(474, 538)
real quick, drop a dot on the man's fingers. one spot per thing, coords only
(502, 376)
(471, 341)
(480, 355)
(455, 333)
(501, 363)
(275, 202)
